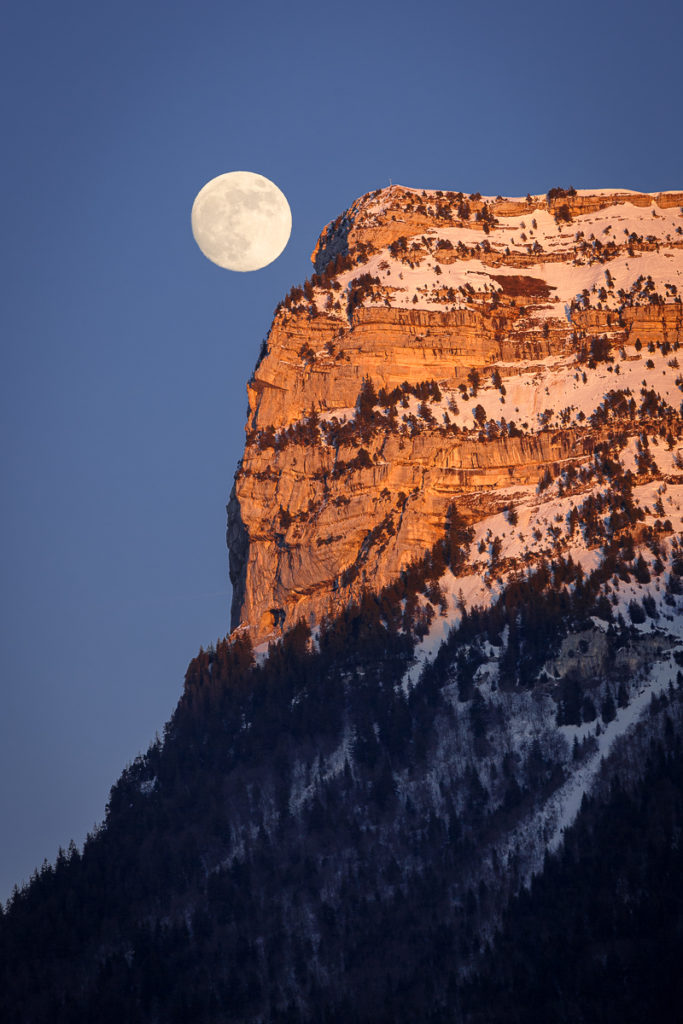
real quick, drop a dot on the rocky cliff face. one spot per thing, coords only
(451, 350)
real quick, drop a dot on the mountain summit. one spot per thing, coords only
(436, 770)
(455, 351)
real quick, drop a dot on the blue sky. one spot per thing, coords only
(125, 353)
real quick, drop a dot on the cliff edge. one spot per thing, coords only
(451, 352)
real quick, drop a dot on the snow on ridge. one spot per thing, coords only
(541, 531)
(535, 196)
(423, 285)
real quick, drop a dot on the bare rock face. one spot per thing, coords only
(448, 350)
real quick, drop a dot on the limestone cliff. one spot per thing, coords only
(448, 349)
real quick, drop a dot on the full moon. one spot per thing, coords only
(241, 221)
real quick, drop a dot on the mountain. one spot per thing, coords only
(435, 772)
(447, 349)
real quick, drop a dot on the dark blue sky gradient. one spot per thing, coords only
(125, 353)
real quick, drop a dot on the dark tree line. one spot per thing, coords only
(236, 879)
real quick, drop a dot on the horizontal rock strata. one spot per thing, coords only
(448, 350)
